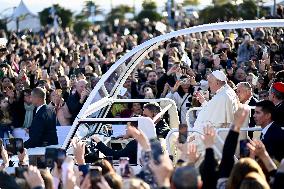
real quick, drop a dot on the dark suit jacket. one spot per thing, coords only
(279, 113)
(162, 129)
(43, 129)
(130, 151)
(252, 123)
(274, 141)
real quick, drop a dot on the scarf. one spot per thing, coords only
(29, 115)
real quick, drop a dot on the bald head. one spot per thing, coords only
(244, 91)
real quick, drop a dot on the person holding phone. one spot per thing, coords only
(246, 49)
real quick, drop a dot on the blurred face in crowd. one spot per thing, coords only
(249, 79)
(185, 84)
(81, 86)
(27, 98)
(152, 76)
(263, 95)
(240, 75)
(243, 93)
(160, 72)
(6, 82)
(56, 97)
(261, 118)
(136, 108)
(127, 84)
(4, 103)
(63, 82)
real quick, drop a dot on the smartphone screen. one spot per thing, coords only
(19, 145)
(95, 176)
(244, 150)
(124, 167)
(182, 137)
(61, 155)
(37, 160)
(157, 150)
(19, 171)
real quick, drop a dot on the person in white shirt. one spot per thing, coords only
(219, 111)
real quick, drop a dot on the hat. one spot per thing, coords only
(279, 86)
(219, 75)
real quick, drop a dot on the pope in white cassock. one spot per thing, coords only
(219, 111)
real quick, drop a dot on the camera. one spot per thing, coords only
(56, 155)
(14, 145)
(157, 150)
(19, 171)
(37, 160)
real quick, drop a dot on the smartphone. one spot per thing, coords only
(19, 171)
(244, 150)
(156, 149)
(52, 155)
(37, 160)
(95, 176)
(124, 167)
(84, 169)
(14, 145)
(182, 136)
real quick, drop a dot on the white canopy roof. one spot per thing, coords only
(27, 19)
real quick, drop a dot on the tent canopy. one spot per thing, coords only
(25, 18)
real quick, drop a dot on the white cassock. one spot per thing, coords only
(219, 112)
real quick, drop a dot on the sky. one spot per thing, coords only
(75, 5)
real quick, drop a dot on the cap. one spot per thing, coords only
(279, 86)
(219, 75)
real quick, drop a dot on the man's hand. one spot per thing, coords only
(240, 117)
(257, 148)
(5, 157)
(163, 171)
(200, 97)
(33, 177)
(209, 136)
(139, 136)
(79, 151)
(193, 155)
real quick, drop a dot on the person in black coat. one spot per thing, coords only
(276, 95)
(151, 110)
(42, 131)
(130, 149)
(272, 135)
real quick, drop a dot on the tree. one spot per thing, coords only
(88, 6)
(191, 2)
(65, 15)
(119, 13)
(220, 2)
(218, 13)
(149, 11)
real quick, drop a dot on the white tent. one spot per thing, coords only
(25, 18)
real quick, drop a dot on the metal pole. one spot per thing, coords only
(274, 8)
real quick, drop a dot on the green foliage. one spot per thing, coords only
(149, 11)
(65, 15)
(88, 8)
(191, 2)
(81, 25)
(119, 12)
(246, 10)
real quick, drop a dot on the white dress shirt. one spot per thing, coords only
(37, 109)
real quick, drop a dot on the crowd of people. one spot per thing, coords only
(46, 77)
